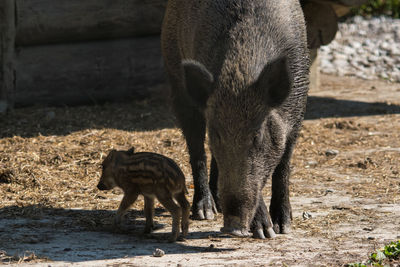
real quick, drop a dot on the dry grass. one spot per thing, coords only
(50, 161)
(59, 166)
(28, 256)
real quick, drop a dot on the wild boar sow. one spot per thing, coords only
(240, 69)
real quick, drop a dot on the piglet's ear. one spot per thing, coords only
(276, 80)
(131, 151)
(110, 157)
(198, 81)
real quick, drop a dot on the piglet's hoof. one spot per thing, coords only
(236, 232)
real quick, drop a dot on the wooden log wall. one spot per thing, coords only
(80, 51)
(75, 52)
(60, 21)
(7, 55)
(89, 72)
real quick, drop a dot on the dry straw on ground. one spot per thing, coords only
(50, 162)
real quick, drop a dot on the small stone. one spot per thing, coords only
(210, 248)
(306, 215)
(362, 165)
(373, 58)
(331, 152)
(158, 252)
(384, 75)
(311, 163)
(356, 45)
(395, 76)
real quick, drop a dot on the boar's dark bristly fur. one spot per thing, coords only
(240, 69)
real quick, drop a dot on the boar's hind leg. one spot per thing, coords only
(261, 225)
(193, 126)
(280, 209)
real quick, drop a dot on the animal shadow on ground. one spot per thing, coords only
(81, 235)
(147, 115)
(325, 107)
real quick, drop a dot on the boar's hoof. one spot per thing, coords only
(282, 229)
(259, 233)
(199, 215)
(236, 232)
(204, 211)
(270, 233)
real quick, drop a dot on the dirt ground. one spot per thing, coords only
(345, 186)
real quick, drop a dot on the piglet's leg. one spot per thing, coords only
(149, 213)
(185, 206)
(176, 213)
(126, 202)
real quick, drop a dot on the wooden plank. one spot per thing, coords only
(49, 21)
(3, 95)
(7, 44)
(81, 73)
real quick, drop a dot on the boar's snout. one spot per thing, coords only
(101, 186)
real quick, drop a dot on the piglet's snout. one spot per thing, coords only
(101, 186)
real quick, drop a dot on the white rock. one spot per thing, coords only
(158, 252)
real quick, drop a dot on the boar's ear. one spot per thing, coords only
(276, 80)
(198, 81)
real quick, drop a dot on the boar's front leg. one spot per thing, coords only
(280, 209)
(261, 225)
(192, 123)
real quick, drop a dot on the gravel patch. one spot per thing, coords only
(365, 48)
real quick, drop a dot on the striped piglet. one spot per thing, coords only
(153, 176)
